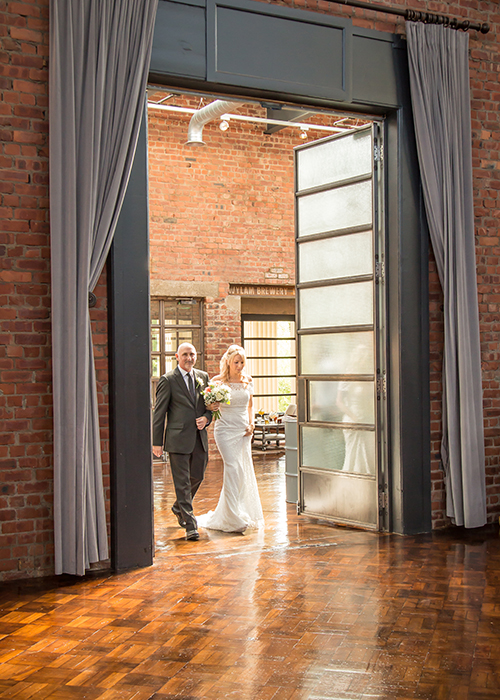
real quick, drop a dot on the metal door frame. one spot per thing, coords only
(380, 342)
(379, 77)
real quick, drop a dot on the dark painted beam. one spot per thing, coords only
(132, 533)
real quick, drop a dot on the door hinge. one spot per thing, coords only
(382, 500)
(379, 270)
(378, 152)
(381, 387)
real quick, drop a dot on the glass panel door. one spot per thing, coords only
(340, 328)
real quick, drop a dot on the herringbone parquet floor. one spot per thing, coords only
(301, 611)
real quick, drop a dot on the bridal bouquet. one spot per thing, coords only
(216, 392)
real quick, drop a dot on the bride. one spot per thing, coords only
(239, 504)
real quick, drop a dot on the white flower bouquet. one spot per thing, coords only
(216, 392)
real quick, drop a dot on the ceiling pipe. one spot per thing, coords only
(207, 114)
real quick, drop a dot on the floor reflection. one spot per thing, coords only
(301, 610)
(282, 525)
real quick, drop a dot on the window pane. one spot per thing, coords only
(338, 305)
(155, 312)
(189, 336)
(274, 366)
(339, 159)
(170, 341)
(176, 314)
(337, 353)
(155, 366)
(155, 340)
(342, 450)
(347, 402)
(269, 329)
(274, 385)
(269, 360)
(269, 348)
(170, 363)
(188, 314)
(184, 337)
(335, 209)
(170, 311)
(196, 314)
(340, 256)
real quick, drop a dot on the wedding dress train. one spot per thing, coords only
(239, 505)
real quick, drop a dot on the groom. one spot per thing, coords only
(179, 399)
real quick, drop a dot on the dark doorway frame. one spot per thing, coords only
(182, 59)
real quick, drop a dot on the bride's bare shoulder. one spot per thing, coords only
(217, 378)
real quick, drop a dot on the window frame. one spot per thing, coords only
(162, 327)
(274, 318)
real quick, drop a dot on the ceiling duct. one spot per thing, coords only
(207, 114)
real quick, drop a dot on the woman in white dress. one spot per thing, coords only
(239, 504)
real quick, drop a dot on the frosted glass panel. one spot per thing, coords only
(338, 449)
(338, 305)
(334, 160)
(335, 209)
(340, 256)
(346, 401)
(337, 353)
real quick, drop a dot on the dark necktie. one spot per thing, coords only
(191, 385)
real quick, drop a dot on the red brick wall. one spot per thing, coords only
(220, 213)
(26, 525)
(26, 531)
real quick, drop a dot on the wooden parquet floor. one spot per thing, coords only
(300, 611)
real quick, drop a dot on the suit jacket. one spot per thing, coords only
(174, 402)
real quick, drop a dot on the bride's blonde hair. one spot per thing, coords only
(225, 364)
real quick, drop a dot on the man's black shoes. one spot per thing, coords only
(179, 519)
(192, 535)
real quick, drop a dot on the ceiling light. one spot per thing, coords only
(224, 125)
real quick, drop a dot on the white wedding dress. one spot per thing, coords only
(239, 504)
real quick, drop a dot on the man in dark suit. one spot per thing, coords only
(179, 399)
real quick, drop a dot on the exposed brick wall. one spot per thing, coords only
(220, 213)
(99, 326)
(485, 94)
(26, 466)
(26, 530)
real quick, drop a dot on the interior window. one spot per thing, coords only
(174, 321)
(269, 344)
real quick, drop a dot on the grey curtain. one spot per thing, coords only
(439, 80)
(99, 61)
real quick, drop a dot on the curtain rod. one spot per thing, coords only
(417, 16)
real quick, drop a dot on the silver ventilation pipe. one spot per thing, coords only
(207, 114)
